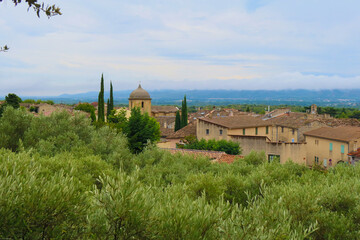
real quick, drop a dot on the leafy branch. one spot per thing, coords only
(4, 49)
(49, 10)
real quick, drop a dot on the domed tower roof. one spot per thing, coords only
(139, 94)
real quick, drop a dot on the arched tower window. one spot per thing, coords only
(142, 104)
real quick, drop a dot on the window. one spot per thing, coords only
(330, 147)
(316, 160)
(256, 131)
(221, 131)
(244, 131)
(282, 129)
(342, 149)
(274, 158)
(293, 131)
(142, 104)
(316, 142)
(267, 129)
(207, 131)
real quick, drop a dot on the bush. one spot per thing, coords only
(59, 132)
(13, 125)
(228, 147)
(38, 207)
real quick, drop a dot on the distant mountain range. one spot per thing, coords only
(223, 97)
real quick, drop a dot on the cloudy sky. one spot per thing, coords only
(181, 44)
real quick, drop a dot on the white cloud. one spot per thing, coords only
(202, 44)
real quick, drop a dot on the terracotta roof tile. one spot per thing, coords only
(164, 132)
(188, 130)
(355, 153)
(240, 121)
(209, 154)
(346, 133)
(169, 109)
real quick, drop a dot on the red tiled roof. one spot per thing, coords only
(168, 109)
(188, 130)
(355, 153)
(226, 158)
(205, 153)
(241, 121)
(346, 133)
(164, 132)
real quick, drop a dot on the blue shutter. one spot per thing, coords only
(330, 146)
(342, 149)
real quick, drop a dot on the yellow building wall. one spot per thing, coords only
(144, 105)
(320, 147)
(286, 134)
(169, 143)
(214, 131)
(252, 131)
(163, 114)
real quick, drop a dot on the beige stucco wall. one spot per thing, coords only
(320, 147)
(295, 152)
(252, 131)
(285, 134)
(170, 143)
(214, 131)
(249, 144)
(163, 114)
(138, 103)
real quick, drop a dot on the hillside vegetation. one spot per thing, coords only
(60, 178)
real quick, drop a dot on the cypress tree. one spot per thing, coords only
(111, 98)
(177, 121)
(108, 109)
(184, 113)
(101, 107)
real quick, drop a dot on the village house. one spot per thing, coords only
(280, 134)
(354, 156)
(328, 146)
(47, 109)
(177, 137)
(277, 139)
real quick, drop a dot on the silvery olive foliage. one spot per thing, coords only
(62, 178)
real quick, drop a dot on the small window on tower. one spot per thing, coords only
(221, 131)
(142, 104)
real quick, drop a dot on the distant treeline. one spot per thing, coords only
(337, 112)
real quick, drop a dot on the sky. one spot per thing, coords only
(180, 44)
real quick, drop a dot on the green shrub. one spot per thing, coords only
(229, 147)
(13, 125)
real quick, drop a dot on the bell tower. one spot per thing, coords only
(140, 98)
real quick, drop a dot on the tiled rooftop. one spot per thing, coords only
(346, 133)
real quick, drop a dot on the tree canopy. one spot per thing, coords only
(140, 130)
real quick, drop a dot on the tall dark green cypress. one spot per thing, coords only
(108, 109)
(184, 113)
(177, 121)
(101, 102)
(111, 97)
